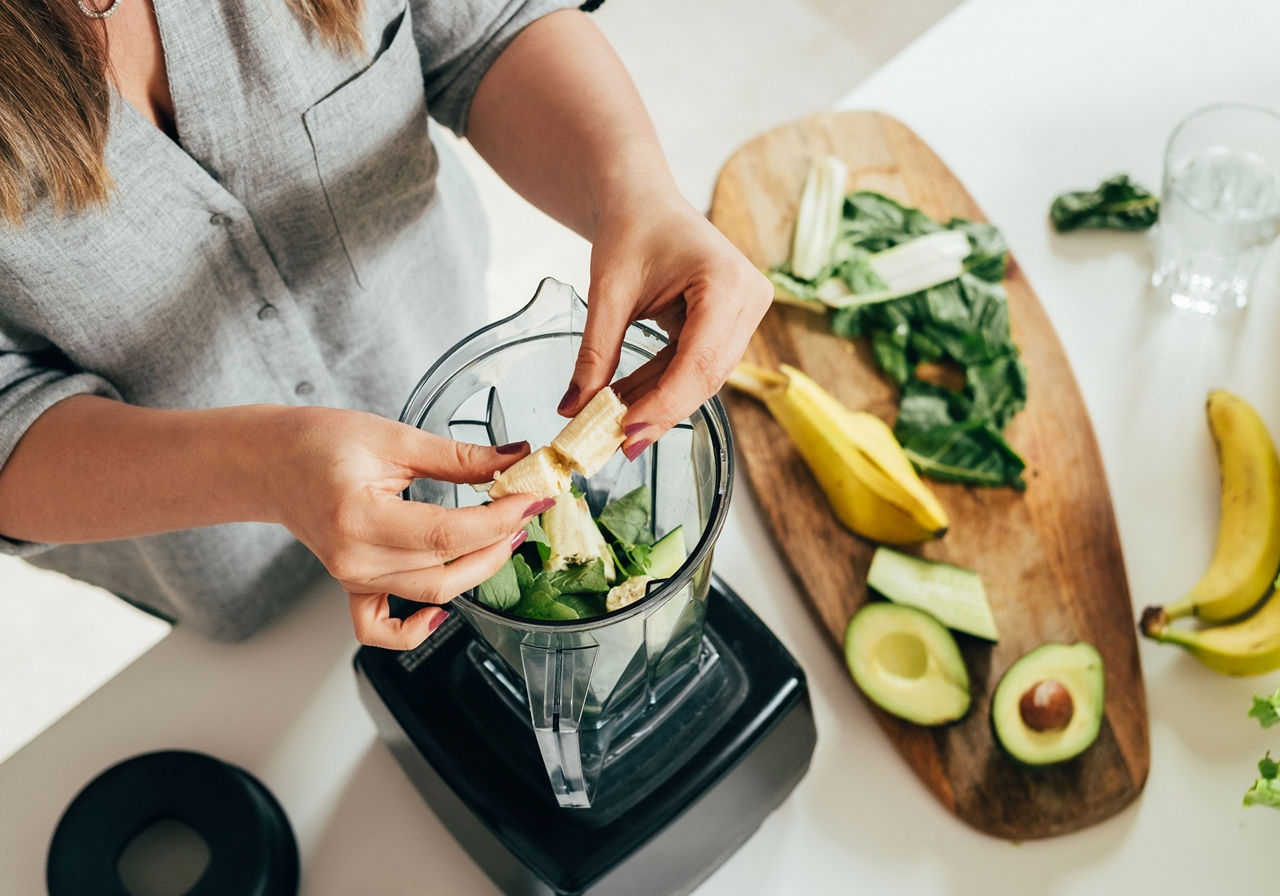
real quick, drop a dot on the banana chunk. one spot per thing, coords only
(543, 473)
(585, 444)
(575, 538)
(594, 434)
(626, 593)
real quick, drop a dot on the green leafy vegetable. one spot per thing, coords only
(1116, 204)
(942, 436)
(627, 519)
(502, 589)
(541, 602)
(578, 579)
(1266, 709)
(1266, 789)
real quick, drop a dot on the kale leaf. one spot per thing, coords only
(1116, 204)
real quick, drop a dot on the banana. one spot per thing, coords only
(1248, 549)
(574, 536)
(626, 593)
(585, 444)
(593, 435)
(867, 478)
(1249, 647)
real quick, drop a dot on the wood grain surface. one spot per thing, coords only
(1049, 556)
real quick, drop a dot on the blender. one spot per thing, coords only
(629, 752)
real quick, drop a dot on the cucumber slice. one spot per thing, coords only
(952, 594)
(668, 554)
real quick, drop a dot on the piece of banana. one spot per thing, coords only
(1247, 555)
(585, 444)
(626, 592)
(593, 435)
(859, 465)
(543, 473)
(574, 536)
(1248, 647)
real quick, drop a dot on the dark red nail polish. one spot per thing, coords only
(512, 448)
(537, 508)
(634, 451)
(634, 428)
(436, 621)
(570, 398)
(518, 538)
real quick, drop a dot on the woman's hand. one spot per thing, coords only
(337, 488)
(655, 257)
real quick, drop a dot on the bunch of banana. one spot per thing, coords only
(1247, 555)
(858, 463)
(584, 445)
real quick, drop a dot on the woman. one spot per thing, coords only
(231, 250)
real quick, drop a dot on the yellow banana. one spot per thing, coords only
(867, 479)
(1248, 549)
(1248, 647)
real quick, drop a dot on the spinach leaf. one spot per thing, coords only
(1116, 204)
(585, 605)
(627, 518)
(874, 222)
(633, 559)
(578, 579)
(939, 431)
(524, 573)
(990, 252)
(501, 591)
(541, 602)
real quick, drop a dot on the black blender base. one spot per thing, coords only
(704, 793)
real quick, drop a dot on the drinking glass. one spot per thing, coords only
(1220, 208)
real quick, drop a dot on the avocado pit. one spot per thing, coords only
(1046, 706)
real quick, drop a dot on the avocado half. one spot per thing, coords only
(1048, 706)
(907, 663)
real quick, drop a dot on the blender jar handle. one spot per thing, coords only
(557, 680)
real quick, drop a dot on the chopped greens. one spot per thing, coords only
(525, 585)
(961, 319)
(1266, 709)
(1116, 204)
(1266, 789)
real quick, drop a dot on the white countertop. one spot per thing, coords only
(1023, 99)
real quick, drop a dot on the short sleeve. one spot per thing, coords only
(34, 376)
(459, 41)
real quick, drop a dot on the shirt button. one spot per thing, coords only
(303, 389)
(268, 312)
(219, 219)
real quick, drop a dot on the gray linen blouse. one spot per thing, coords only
(305, 243)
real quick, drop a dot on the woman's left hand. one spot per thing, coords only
(655, 257)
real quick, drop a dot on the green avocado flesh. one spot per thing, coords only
(1078, 668)
(907, 663)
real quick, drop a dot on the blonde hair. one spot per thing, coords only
(55, 102)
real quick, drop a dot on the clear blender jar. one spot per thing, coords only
(589, 686)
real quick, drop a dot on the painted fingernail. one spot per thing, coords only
(512, 448)
(634, 451)
(534, 509)
(436, 621)
(634, 428)
(570, 398)
(518, 538)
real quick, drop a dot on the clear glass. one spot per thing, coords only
(583, 680)
(1220, 207)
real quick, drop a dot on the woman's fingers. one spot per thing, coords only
(374, 625)
(607, 320)
(441, 584)
(440, 535)
(435, 457)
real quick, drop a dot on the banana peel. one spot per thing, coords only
(866, 476)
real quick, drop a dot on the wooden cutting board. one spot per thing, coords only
(1049, 556)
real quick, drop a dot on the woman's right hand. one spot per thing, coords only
(335, 483)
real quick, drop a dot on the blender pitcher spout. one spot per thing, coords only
(558, 680)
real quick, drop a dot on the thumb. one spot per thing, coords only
(435, 457)
(607, 321)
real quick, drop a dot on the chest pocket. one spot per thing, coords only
(373, 152)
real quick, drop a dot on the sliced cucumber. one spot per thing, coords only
(952, 594)
(668, 554)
